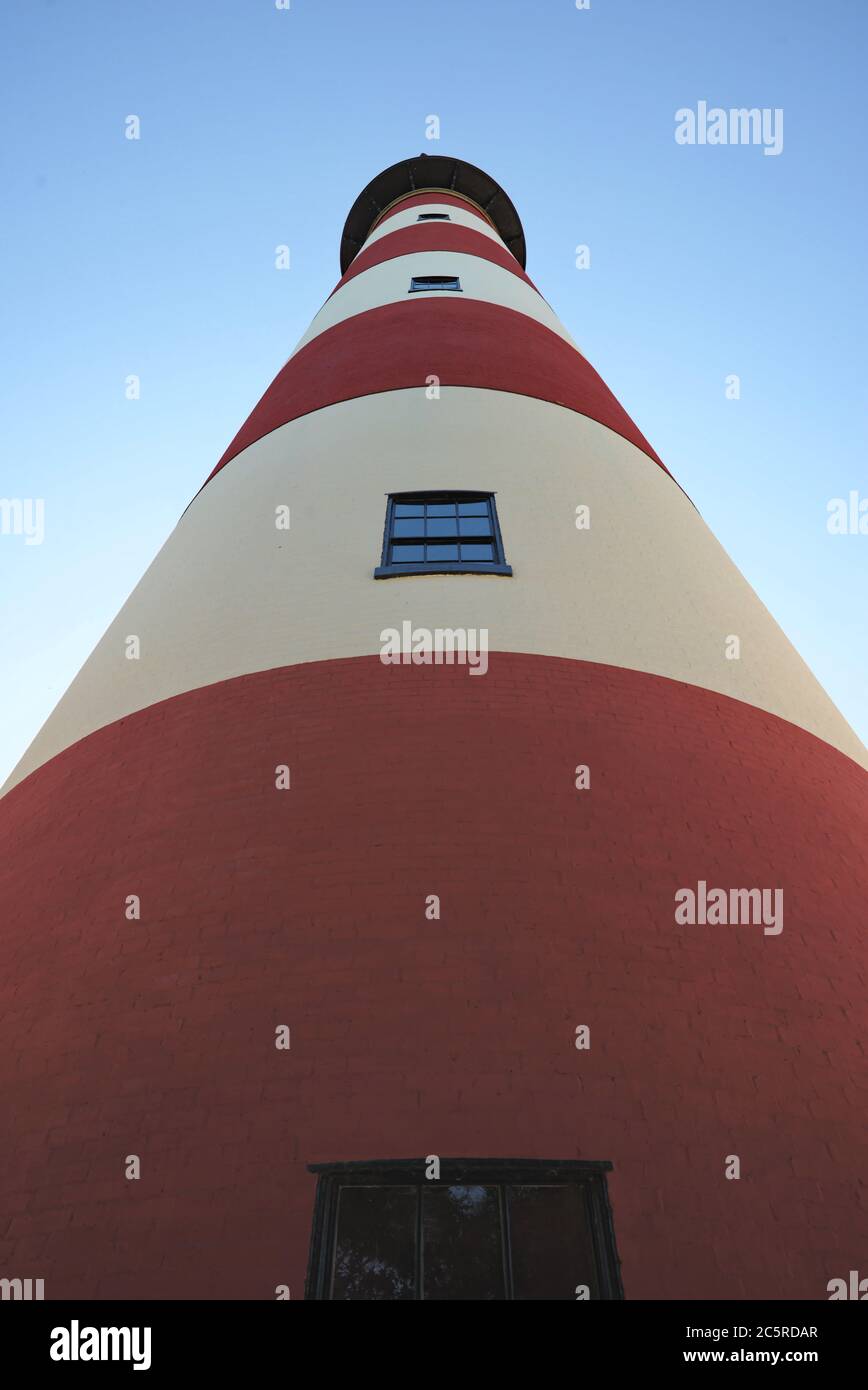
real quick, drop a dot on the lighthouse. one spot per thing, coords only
(444, 880)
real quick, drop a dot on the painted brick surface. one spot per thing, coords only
(471, 342)
(433, 236)
(306, 907)
(432, 196)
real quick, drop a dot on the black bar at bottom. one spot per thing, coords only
(168, 1340)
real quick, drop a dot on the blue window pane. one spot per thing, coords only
(442, 526)
(408, 527)
(434, 282)
(462, 1243)
(442, 529)
(375, 1251)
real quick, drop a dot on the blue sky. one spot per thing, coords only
(260, 126)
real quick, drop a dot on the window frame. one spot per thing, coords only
(433, 284)
(410, 1172)
(434, 217)
(387, 570)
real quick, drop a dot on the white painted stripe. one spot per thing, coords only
(459, 218)
(647, 587)
(389, 283)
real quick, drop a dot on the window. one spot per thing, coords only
(433, 217)
(441, 533)
(487, 1229)
(418, 283)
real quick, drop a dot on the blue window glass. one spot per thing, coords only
(442, 532)
(493, 1230)
(424, 283)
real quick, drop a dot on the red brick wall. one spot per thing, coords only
(433, 236)
(434, 197)
(463, 342)
(306, 907)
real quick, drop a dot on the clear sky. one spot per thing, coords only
(260, 126)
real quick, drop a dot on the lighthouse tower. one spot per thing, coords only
(444, 879)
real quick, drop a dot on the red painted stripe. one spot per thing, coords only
(434, 236)
(306, 907)
(432, 199)
(463, 342)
